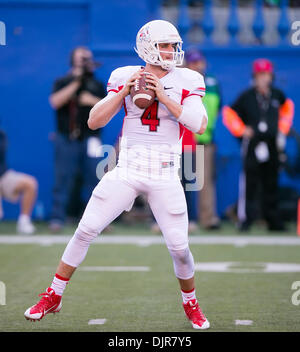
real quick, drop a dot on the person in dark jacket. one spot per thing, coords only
(76, 146)
(260, 118)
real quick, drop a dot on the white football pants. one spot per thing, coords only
(115, 193)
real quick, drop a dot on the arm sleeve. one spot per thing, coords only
(286, 116)
(232, 117)
(193, 113)
(233, 121)
(193, 110)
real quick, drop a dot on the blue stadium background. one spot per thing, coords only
(39, 37)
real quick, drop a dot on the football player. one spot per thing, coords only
(148, 163)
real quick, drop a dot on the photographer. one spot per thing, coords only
(76, 146)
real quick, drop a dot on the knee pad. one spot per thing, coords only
(183, 263)
(176, 238)
(77, 247)
(86, 232)
(84, 236)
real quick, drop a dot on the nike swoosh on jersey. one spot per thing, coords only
(168, 88)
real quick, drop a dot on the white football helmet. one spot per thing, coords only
(153, 33)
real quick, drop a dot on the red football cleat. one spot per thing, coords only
(49, 303)
(195, 315)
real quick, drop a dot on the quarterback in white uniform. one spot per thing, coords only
(148, 163)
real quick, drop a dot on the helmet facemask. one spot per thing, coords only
(177, 60)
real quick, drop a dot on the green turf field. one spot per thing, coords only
(150, 300)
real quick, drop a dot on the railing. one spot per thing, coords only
(231, 22)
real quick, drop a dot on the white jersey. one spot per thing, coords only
(151, 137)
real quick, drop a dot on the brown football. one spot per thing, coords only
(141, 95)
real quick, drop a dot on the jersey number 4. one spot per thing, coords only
(150, 118)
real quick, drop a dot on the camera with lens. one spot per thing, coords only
(89, 65)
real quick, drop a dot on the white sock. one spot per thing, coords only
(24, 218)
(59, 284)
(188, 295)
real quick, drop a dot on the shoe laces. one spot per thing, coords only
(194, 309)
(45, 298)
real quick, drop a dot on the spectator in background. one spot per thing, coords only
(212, 101)
(76, 146)
(260, 118)
(15, 186)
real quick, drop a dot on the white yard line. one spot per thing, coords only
(143, 240)
(114, 268)
(97, 322)
(243, 322)
(246, 267)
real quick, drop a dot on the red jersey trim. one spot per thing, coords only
(198, 95)
(184, 94)
(113, 90)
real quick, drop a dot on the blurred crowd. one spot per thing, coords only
(260, 119)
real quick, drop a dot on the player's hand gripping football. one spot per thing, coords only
(156, 86)
(131, 82)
